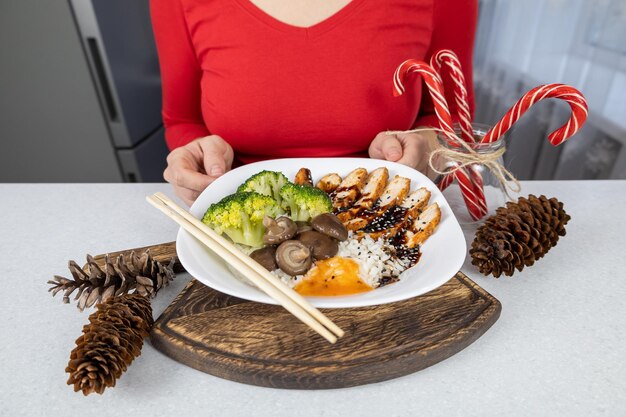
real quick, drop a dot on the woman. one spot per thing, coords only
(245, 80)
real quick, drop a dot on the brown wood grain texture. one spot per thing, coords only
(262, 344)
(162, 253)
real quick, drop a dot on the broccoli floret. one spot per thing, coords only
(304, 202)
(240, 217)
(266, 183)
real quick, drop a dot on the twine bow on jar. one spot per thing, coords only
(468, 155)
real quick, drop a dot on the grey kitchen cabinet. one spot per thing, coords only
(80, 92)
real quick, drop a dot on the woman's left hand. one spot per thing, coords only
(410, 149)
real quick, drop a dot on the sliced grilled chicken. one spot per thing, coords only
(398, 217)
(303, 177)
(349, 189)
(422, 227)
(416, 201)
(329, 183)
(394, 194)
(373, 188)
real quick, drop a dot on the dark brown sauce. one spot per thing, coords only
(409, 256)
(369, 214)
(396, 215)
(357, 210)
(386, 280)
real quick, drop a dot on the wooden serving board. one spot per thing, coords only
(264, 345)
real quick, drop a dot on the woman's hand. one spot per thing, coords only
(412, 149)
(191, 168)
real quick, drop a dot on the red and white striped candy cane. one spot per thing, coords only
(476, 203)
(479, 186)
(572, 96)
(446, 181)
(461, 97)
(474, 182)
(476, 207)
(435, 87)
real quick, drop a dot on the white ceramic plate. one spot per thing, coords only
(442, 254)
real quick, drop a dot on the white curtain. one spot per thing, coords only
(521, 44)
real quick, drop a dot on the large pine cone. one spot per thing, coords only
(109, 343)
(134, 273)
(518, 234)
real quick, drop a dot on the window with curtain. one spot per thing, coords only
(521, 44)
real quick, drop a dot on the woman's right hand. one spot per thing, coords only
(191, 168)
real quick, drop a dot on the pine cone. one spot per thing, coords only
(109, 343)
(518, 235)
(132, 274)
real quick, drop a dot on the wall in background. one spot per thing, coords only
(521, 44)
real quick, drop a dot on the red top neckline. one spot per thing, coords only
(317, 29)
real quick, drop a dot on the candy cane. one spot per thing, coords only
(479, 186)
(435, 87)
(572, 96)
(461, 97)
(474, 182)
(451, 61)
(475, 202)
(446, 181)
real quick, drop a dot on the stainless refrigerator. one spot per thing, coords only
(81, 97)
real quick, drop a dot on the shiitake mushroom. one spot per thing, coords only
(320, 245)
(329, 224)
(278, 230)
(266, 257)
(293, 257)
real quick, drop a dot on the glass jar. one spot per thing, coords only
(495, 194)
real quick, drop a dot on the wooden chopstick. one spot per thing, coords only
(267, 282)
(252, 264)
(244, 269)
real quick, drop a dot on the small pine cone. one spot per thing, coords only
(109, 343)
(134, 273)
(518, 234)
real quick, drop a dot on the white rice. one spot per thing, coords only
(286, 278)
(374, 258)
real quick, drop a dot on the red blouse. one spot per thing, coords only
(273, 90)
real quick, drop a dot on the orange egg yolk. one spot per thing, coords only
(333, 276)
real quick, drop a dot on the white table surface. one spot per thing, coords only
(558, 349)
